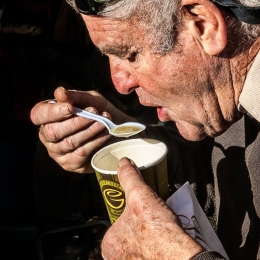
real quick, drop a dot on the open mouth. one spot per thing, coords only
(162, 114)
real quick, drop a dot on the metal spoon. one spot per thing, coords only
(123, 130)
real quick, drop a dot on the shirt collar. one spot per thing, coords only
(249, 100)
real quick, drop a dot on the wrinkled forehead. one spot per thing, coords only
(104, 30)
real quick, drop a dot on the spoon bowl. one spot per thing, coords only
(122, 130)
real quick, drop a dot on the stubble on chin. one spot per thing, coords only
(191, 132)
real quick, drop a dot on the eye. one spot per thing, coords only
(132, 57)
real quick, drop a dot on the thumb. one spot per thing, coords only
(62, 95)
(129, 175)
(81, 99)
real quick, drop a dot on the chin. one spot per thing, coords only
(194, 138)
(191, 133)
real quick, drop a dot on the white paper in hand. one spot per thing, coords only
(194, 221)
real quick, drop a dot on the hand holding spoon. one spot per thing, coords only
(122, 130)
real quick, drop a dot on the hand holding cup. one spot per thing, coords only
(148, 228)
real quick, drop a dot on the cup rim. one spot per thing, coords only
(159, 143)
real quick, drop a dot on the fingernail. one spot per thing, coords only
(51, 101)
(104, 114)
(91, 110)
(132, 162)
(64, 110)
(123, 161)
(62, 88)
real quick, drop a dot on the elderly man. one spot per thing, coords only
(197, 61)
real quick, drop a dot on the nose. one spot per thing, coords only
(122, 78)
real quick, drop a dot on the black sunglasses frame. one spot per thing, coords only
(250, 15)
(246, 14)
(88, 6)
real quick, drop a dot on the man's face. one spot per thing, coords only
(183, 85)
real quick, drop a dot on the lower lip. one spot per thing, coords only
(162, 114)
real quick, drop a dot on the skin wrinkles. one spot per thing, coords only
(52, 133)
(120, 52)
(202, 99)
(189, 95)
(186, 85)
(161, 224)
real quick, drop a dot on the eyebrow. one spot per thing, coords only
(116, 51)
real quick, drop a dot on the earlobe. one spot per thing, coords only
(207, 24)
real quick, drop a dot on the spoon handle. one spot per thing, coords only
(86, 114)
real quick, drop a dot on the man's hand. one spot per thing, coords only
(72, 140)
(148, 228)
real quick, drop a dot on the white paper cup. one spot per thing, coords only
(150, 157)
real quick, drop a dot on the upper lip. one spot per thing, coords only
(148, 100)
(148, 104)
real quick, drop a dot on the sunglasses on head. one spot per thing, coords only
(89, 6)
(246, 14)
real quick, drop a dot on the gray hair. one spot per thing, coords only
(157, 18)
(247, 31)
(160, 20)
(251, 3)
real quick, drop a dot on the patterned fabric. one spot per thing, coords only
(208, 255)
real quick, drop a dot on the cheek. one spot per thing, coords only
(156, 81)
(166, 77)
(151, 76)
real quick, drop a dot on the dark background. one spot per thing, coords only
(35, 193)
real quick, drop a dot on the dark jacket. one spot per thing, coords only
(224, 174)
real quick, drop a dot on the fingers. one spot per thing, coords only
(72, 140)
(72, 143)
(44, 112)
(77, 160)
(56, 131)
(136, 190)
(81, 99)
(129, 175)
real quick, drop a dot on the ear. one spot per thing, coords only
(206, 23)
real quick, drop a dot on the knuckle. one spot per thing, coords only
(136, 195)
(69, 143)
(82, 152)
(48, 133)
